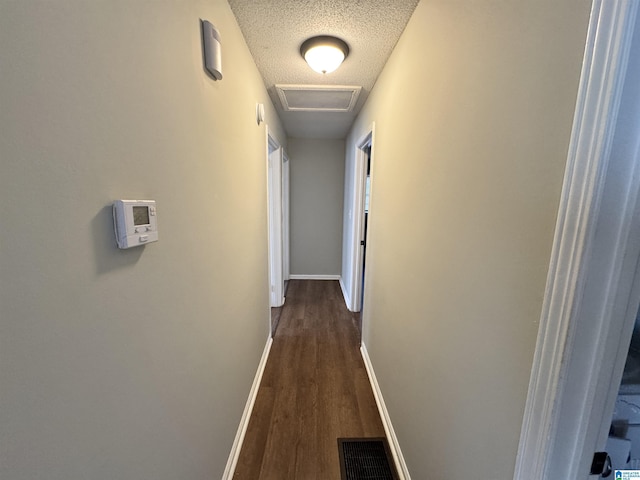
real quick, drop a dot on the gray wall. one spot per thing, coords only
(128, 364)
(473, 115)
(317, 185)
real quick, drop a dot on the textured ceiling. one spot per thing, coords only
(275, 29)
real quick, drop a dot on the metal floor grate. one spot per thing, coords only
(365, 459)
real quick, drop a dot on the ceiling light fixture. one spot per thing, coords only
(324, 54)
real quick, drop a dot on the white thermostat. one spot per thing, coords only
(135, 222)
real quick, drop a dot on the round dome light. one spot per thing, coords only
(324, 54)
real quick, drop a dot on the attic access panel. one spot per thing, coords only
(318, 98)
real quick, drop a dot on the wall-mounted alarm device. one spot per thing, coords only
(135, 222)
(212, 50)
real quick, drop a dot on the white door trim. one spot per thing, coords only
(274, 193)
(575, 258)
(286, 217)
(358, 218)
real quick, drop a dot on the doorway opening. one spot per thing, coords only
(623, 437)
(362, 188)
(278, 214)
(363, 241)
(593, 288)
(286, 232)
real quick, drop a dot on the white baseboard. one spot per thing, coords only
(398, 459)
(246, 415)
(347, 298)
(314, 277)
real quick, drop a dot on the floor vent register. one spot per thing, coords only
(366, 459)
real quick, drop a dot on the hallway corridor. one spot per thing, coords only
(314, 390)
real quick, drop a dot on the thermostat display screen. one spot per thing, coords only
(140, 215)
(135, 222)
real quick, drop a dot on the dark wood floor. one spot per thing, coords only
(314, 390)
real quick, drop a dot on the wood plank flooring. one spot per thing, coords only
(314, 390)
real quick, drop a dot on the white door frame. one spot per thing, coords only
(286, 218)
(590, 282)
(360, 180)
(274, 194)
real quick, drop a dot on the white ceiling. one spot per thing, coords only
(275, 29)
